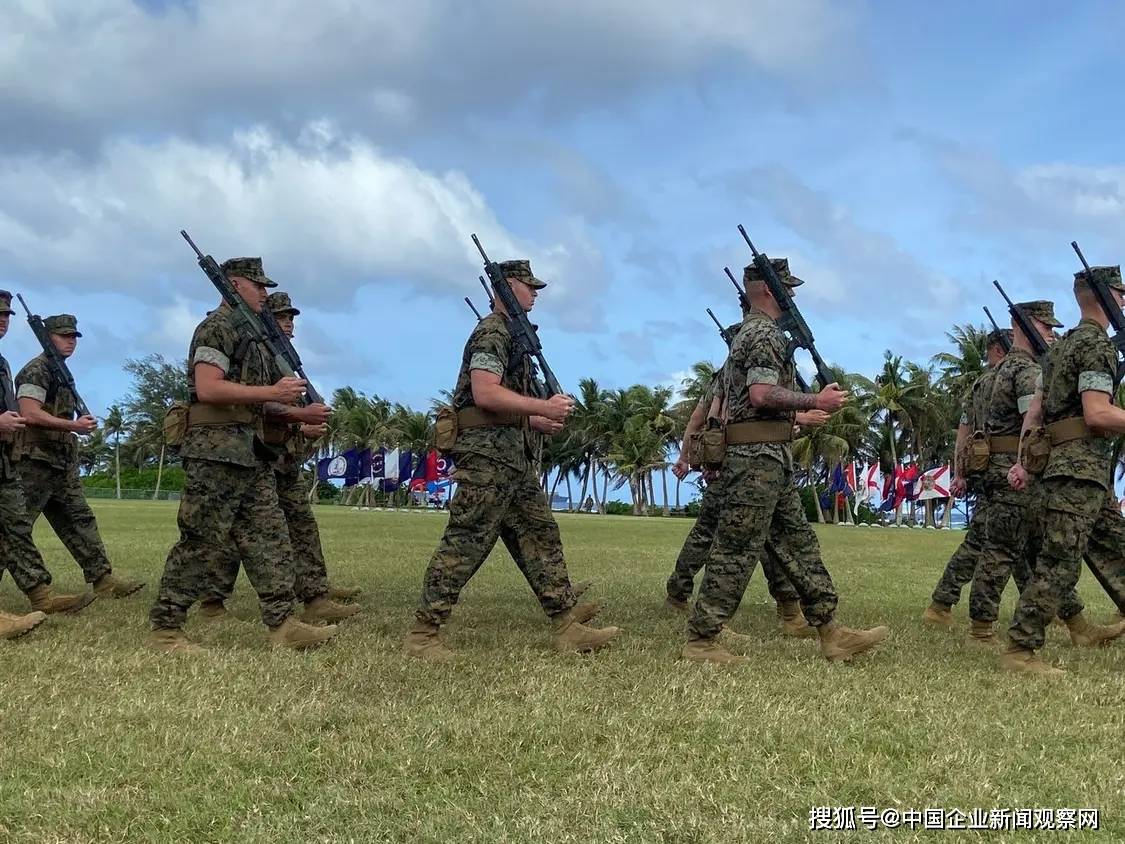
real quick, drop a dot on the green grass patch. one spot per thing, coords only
(104, 741)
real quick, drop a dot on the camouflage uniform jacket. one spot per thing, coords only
(1084, 359)
(759, 355)
(974, 407)
(7, 402)
(36, 381)
(217, 342)
(1013, 387)
(490, 348)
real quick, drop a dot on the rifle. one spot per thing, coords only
(246, 321)
(1113, 313)
(285, 346)
(790, 322)
(1038, 344)
(523, 332)
(722, 331)
(473, 308)
(741, 293)
(1004, 344)
(487, 291)
(55, 362)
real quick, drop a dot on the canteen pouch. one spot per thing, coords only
(445, 429)
(712, 444)
(1035, 450)
(977, 452)
(694, 454)
(175, 424)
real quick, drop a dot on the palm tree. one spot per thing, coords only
(115, 426)
(157, 385)
(960, 368)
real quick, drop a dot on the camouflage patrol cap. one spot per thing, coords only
(280, 303)
(780, 266)
(250, 268)
(999, 337)
(64, 324)
(521, 269)
(1110, 275)
(1041, 310)
(6, 302)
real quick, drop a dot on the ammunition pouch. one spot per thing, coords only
(445, 429)
(977, 451)
(1035, 451)
(771, 431)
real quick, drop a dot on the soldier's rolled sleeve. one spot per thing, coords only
(1090, 380)
(1097, 366)
(214, 357)
(1023, 403)
(32, 391)
(762, 375)
(488, 362)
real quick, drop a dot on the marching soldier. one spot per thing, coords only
(497, 488)
(1075, 406)
(229, 490)
(760, 495)
(974, 416)
(290, 435)
(48, 465)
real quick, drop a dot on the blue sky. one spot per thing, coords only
(901, 155)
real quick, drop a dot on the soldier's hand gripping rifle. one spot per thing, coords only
(1004, 342)
(285, 347)
(802, 384)
(55, 362)
(1038, 344)
(1109, 307)
(522, 331)
(790, 322)
(247, 323)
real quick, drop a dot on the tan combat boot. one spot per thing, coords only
(325, 609)
(938, 614)
(792, 621)
(109, 586)
(298, 636)
(584, 612)
(172, 641)
(733, 637)
(1021, 659)
(981, 632)
(840, 643)
(213, 609)
(677, 605)
(708, 650)
(1083, 634)
(43, 600)
(343, 593)
(573, 636)
(579, 589)
(14, 626)
(422, 642)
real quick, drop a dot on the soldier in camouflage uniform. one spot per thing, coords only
(48, 465)
(1075, 401)
(959, 570)
(693, 554)
(761, 498)
(20, 555)
(229, 490)
(289, 435)
(497, 487)
(1012, 515)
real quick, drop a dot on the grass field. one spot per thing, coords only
(104, 741)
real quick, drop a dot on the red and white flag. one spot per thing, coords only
(934, 484)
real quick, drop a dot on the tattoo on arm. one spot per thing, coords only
(273, 408)
(783, 399)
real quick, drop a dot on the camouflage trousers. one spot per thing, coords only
(21, 558)
(57, 494)
(1079, 519)
(224, 503)
(693, 555)
(1011, 547)
(961, 566)
(494, 501)
(759, 501)
(310, 571)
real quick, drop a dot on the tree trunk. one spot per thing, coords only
(894, 467)
(569, 495)
(159, 473)
(585, 481)
(554, 486)
(678, 482)
(598, 502)
(605, 490)
(117, 464)
(664, 483)
(816, 500)
(636, 489)
(650, 491)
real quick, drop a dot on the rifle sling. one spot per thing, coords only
(771, 431)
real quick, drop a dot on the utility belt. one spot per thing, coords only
(1071, 428)
(706, 448)
(450, 423)
(1004, 445)
(182, 416)
(769, 431)
(32, 434)
(1038, 442)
